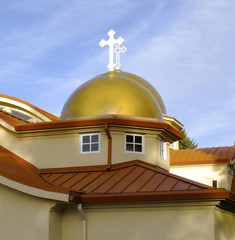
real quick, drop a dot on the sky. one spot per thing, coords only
(184, 48)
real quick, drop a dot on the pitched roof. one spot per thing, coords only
(47, 114)
(202, 155)
(129, 181)
(17, 169)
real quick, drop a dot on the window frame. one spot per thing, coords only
(90, 142)
(162, 146)
(134, 143)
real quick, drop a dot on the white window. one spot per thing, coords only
(90, 143)
(134, 143)
(163, 149)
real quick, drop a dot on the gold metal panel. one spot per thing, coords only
(111, 93)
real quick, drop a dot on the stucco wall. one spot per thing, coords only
(151, 149)
(22, 216)
(142, 223)
(205, 173)
(62, 148)
(224, 225)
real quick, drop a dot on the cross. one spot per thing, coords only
(114, 47)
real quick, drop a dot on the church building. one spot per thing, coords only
(110, 167)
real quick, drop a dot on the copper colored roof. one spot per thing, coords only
(202, 155)
(46, 114)
(17, 169)
(130, 181)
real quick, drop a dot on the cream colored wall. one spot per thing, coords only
(25, 217)
(71, 224)
(51, 151)
(151, 151)
(131, 222)
(22, 216)
(224, 225)
(205, 173)
(55, 149)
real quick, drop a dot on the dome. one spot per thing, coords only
(145, 84)
(114, 92)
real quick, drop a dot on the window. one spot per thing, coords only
(163, 149)
(134, 143)
(90, 143)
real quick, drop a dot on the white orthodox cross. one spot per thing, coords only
(114, 47)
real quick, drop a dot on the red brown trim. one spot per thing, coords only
(100, 121)
(152, 196)
(11, 119)
(46, 114)
(109, 146)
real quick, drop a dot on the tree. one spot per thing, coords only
(186, 142)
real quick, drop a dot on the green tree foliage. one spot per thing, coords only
(186, 142)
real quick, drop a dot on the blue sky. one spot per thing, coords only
(184, 48)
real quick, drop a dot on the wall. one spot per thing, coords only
(131, 222)
(55, 149)
(205, 173)
(224, 225)
(22, 216)
(151, 153)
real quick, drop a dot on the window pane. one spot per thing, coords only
(138, 139)
(94, 147)
(94, 138)
(86, 139)
(129, 147)
(138, 148)
(129, 138)
(86, 148)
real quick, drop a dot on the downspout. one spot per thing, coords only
(84, 221)
(109, 146)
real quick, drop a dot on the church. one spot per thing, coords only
(110, 167)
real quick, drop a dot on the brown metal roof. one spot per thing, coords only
(17, 169)
(129, 177)
(129, 181)
(124, 182)
(202, 155)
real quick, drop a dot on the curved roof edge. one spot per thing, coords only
(42, 114)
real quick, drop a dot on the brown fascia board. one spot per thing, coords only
(46, 114)
(205, 194)
(101, 121)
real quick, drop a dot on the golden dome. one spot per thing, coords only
(146, 84)
(112, 93)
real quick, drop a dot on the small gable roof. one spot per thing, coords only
(129, 181)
